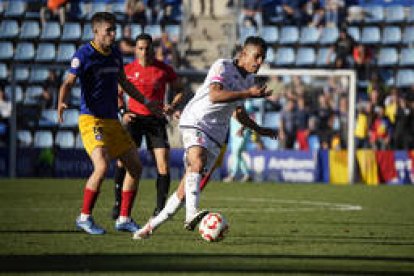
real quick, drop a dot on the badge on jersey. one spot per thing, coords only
(75, 63)
(98, 132)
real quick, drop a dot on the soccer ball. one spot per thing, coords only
(213, 227)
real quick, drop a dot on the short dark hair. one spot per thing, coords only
(144, 36)
(257, 41)
(100, 17)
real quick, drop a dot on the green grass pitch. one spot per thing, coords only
(274, 228)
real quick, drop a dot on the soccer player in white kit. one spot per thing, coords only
(204, 124)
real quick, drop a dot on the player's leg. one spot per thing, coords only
(132, 164)
(100, 160)
(161, 156)
(119, 176)
(217, 164)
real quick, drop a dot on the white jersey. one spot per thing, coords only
(214, 118)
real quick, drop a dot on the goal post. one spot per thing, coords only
(351, 76)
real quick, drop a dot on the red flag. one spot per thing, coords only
(386, 166)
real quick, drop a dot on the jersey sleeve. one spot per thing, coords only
(217, 73)
(77, 63)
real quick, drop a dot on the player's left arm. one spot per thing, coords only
(243, 117)
(132, 91)
(177, 89)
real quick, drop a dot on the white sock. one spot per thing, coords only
(171, 207)
(192, 195)
(123, 219)
(84, 217)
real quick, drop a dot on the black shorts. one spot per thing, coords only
(152, 128)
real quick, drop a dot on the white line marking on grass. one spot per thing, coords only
(313, 205)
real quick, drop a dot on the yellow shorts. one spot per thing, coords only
(107, 133)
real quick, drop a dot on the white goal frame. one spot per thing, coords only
(351, 102)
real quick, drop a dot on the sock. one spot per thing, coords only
(163, 186)
(192, 194)
(171, 207)
(89, 199)
(205, 180)
(127, 202)
(119, 180)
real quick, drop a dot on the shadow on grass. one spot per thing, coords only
(214, 263)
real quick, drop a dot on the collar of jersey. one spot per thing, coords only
(99, 49)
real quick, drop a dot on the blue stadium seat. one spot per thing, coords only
(387, 57)
(50, 31)
(43, 139)
(289, 35)
(354, 32)
(118, 8)
(394, 14)
(153, 30)
(38, 75)
(135, 30)
(24, 138)
(271, 119)
(370, 35)
(71, 31)
(3, 71)
(305, 56)
(75, 96)
(270, 55)
(407, 57)
(118, 32)
(21, 74)
(405, 78)
(174, 32)
(46, 52)
(32, 95)
(8, 90)
(9, 29)
(329, 35)
(78, 141)
(408, 35)
(30, 30)
(87, 33)
(25, 51)
(391, 35)
(6, 50)
(15, 8)
(246, 32)
(374, 14)
(70, 118)
(65, 52)
(65, 139)
(309, 35)
(270, 144)
(270, 34)
(48, 118)
(322, 57)
(285, 56)
(96, 6)
(410, 16)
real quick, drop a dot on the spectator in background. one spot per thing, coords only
(363, 58)
(135, 11)
(342, 48)
(293, 12)
(54, 9)
(251, 15)
(155, 11)
(203, 7)
(275, 84)
(380, 130)
(363, 121)
(313, 12)
(5, 112)
(375, 83)
(165, 50)
(403, 135)
(343, 121)
(287, 125)
(391, 103)
(325, 115)
(333, 12)
(127, 43)
(50, 86)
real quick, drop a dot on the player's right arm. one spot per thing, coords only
(64, 91)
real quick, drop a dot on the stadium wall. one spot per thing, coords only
(373, 167)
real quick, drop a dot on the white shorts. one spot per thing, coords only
(194, 137)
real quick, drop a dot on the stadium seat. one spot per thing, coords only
(394, 14)
(15, 8)
(70, 118)
(374, 14)
(30, 30)
(48, 118)
(75, 96)
(309, 35)
(3, 71)
(50, 31)
(25, 51)
(285, 56)
(96, 6)
(43, 139)
(329, 35)
(322, 56)
(135, 30)
(118, 32)
(38, 75)
(387, 57)
(405, 78)
(87, 34)
(65, 52)
(408, 35)
(270, 144)
(407, 57)
(354, 32)
(32, 95)
(246, 32)
(24, 138)
(391, 35)
(270, 34)
(71, 31)
(305, 56)
(410, 16)
(6, 50)
(65, 139)
(78, 141)
(21, 74)
(46, 52)
(270, 55)
(153, 30)
(9, 29)
(118, 8)
(289, 35)
(174, 32)
(370, 35)
(18, 92)
(271, 119)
